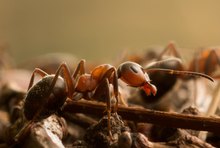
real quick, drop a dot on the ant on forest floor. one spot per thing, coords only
(50, 93)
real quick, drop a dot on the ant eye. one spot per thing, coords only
(134, 69)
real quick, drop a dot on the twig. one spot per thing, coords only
(137, 114)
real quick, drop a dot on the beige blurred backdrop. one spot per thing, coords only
(98, 29)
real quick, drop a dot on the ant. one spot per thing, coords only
(50, 93)
(203, 62)
(160, 78)
(169, 58)
(95, 85)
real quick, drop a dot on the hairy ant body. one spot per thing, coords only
(49, 94)
(45, 97)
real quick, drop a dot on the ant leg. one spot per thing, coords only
(170, 49)
(26, 129)
(108, 102)
(38, 71)
(103, 91)
(67, 78)
(108, 74)
(22, 134)
(115, 87)
(80, 69)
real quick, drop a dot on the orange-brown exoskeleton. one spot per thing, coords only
(87, 84)
(206, 61)
(96, 85)
(134, 75)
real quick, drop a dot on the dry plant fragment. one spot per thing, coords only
(169, 119)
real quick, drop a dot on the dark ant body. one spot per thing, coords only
(160, 78)
(49, 94)
(204, 62)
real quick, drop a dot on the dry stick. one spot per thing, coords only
(138, 114)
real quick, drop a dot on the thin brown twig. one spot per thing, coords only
(169, 119)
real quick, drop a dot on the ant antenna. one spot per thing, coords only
(178, 72)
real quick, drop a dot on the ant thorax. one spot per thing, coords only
(85, 83)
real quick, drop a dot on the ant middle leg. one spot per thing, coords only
(103, 91)
(113, 73)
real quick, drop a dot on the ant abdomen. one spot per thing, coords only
(41, 102)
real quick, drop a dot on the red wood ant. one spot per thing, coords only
(50, 93)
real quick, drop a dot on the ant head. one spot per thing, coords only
(134, 75)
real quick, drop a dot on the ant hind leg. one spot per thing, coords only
(38, 71)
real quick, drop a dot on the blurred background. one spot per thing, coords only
(101, 30)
